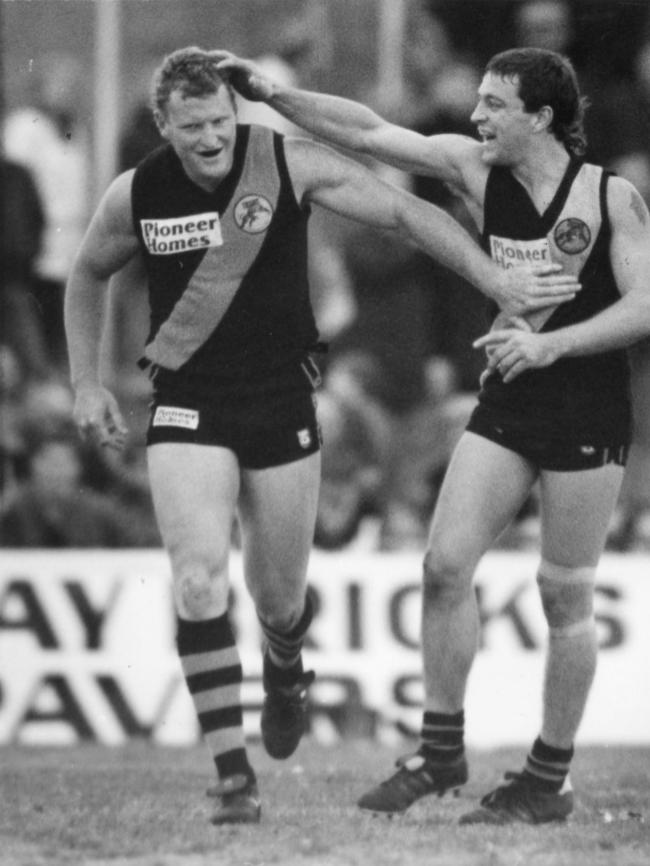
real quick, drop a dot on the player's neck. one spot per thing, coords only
(541, 170)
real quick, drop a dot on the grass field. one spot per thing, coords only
(145, 806)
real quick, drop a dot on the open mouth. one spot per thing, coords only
(210, 154)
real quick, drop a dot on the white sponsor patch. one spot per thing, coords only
(174, 416)
(167, 237)
(520, 254)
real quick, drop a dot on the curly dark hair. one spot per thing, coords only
(547, 78)
(191, 70)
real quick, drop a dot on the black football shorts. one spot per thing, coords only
(266, 423)
(555, 455)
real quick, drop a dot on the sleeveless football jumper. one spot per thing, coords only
(577, 400)
(232, 328)
(227, 270)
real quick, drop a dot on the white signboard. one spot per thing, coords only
(87, 649)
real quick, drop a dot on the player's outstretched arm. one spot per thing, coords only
(622, 324)
(341, 185)
(353, 125)
(108, 245)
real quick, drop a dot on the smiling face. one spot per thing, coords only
(202, 131)
(503, 124)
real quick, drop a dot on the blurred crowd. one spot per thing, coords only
(400, 376)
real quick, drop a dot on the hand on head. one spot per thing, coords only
(245, 76)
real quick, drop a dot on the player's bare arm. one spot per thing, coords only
(452, 158)
(455, 159)
(622, 324)
(322, 176)
(110, 242)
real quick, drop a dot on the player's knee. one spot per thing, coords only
(567, 598)
(280, 614)
(278, 620)
(199, 589)
(441, 580)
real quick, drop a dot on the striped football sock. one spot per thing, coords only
(284, 647)
(547, 767)
(442, 736)
(213, 674)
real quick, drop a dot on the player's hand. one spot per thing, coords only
(245, 76)
(98, 417)
(523, 290)
(501, 323)
(511, 351)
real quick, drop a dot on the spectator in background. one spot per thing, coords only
(357, 438)
(12, 458)
(544, 24)
(427, 53)
(52, 508)
(21, 232)
(57, 491)
(48, 138)
(122, 478)
(28, 404)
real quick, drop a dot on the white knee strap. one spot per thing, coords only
(574, 629)
(566, 573)
(576, 586)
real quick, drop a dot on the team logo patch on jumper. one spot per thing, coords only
(509, 253)
(572, 236)
(253, 214)
(168, 237)
(175, 416)
(304, 438)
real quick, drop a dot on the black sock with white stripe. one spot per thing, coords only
(547, 766)
(213, 673)
(442, 736)
(283, 662)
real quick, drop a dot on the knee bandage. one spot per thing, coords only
(567, 596)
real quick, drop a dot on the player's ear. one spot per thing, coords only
(543, 118)
(233, 97)
(161, 123)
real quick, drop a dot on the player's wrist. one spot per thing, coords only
(275, 92)
(556, 344)
(84, 382)
(496, 288)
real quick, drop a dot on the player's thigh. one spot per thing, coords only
(484, 487)
(194, 490)
(576, 509)
(278, 513)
